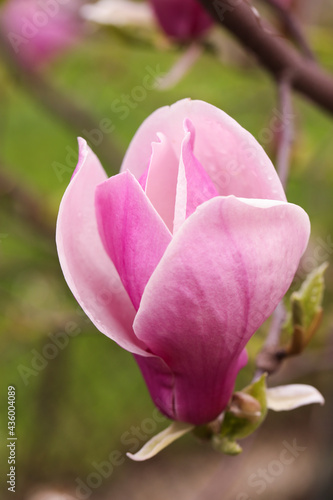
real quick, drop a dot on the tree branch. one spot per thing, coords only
(272, 51)
(270, 357)
(293, 27)
(287, 131)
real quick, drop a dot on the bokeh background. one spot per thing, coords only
(75, 402)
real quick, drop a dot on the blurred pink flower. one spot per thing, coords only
(38, 29)
(184, 254)
(182, 20)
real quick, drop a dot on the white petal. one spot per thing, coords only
(161, 441)
(118, 13)
(289, 397)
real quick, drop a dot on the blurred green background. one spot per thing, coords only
(73, 411)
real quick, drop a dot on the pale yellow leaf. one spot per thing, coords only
(161, 441)
(289, 397)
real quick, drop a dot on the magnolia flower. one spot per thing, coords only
(182, 20)
(184, 254)
(38, 29)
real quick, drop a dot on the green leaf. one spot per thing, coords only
(309, 297)
(236, 427)
(305, 304)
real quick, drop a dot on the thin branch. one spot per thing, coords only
(181, 67)
(315, 361)
(271, 355)
(60, 106)
(272, 51)
(293, 27)
(287, 130)
(279, 316)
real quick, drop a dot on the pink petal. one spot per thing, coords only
(242, 360)
(88, 270)
(231, 156)
(160, 382)
(182, 19)
(38, 34)
(162, 180)
(220, 278)
(133, 234)
(194, 185)
(181, 198)
(200, 188)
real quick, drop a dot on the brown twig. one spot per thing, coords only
(293, 27)
(278, 319)
(287, 130)
(61, 106)
(272, 51)
(271, 355)
(316, 361)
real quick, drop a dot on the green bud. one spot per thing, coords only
(307, 301)
(226, 446)
(246, 412)
(245, 406)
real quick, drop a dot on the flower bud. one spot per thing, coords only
(245, 406)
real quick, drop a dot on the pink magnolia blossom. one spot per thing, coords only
(182, 20)
(38, 29)
(184, 254)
